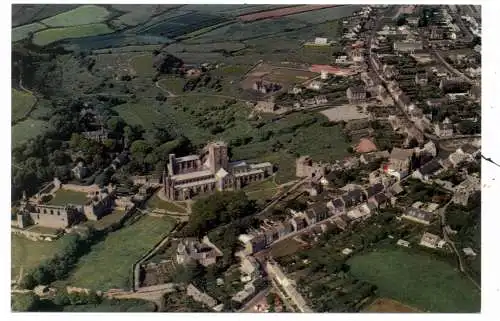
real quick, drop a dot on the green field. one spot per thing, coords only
(156, 202)
(261, 190)
(171, 84)
(22, 32)
(108, 220)
(22, 102)
(27, 129)
(29, 254)
(64, 197)
(48, 36)
(82, 15)
(143, 64)
(122, 305)
(109, 264)
(143, 114)
(43, 229)
(418, 280)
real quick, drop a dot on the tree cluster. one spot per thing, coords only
(166, 63)
(217, 209)
(58, 267)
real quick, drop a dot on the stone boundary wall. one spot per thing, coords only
(35, 236)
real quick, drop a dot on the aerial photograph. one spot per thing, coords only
(246, 158)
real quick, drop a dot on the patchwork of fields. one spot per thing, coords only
(211, 34)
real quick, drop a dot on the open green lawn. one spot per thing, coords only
(82, 15)
(418, 280)
(64, 197)
(27, 129)
(109, 264)
(108, 220)
(156, 202)
(261, 190)
(29, 254)
(22, 32)
(257, 186)
(48, 36)
(22, 102)
(43, 229)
